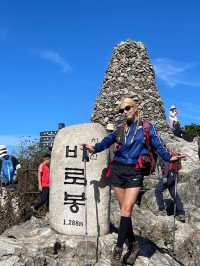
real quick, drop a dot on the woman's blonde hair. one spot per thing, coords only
(131, 102)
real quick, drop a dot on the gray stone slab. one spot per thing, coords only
(67, 201)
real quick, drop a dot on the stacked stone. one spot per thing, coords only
(130, 74)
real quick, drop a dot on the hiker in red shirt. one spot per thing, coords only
(43, 182)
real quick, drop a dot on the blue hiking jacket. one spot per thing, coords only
(131, 149)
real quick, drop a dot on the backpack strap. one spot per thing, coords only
(146, 129)
(8, 158)
(1, 159)
(120, 134)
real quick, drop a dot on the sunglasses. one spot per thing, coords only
(127, 108)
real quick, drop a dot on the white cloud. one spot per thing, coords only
(55, 58)
(173, 73)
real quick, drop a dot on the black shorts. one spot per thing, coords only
(125, 176)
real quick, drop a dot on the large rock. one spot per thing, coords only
(35, 243)
(69, 194)
(187, 243)
(188, 178)
(13, 205)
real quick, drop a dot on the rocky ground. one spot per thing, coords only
(35, 243)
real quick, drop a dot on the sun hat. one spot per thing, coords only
(172, 107)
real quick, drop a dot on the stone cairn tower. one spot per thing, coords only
(130, 73)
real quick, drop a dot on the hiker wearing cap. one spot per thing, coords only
(125, 176)
(174, 124)
(167, 181)
(43, 183)
(172, 116)
(8, 167)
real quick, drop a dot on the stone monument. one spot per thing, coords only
(130, 73)
(69, 192)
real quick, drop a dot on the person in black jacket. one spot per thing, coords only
(167, 181)
(126, 178)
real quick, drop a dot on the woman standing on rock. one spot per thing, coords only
(125, 176)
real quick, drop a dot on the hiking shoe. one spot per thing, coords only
(116, 256)
(180, 218)
(130, 257)
(162, 212)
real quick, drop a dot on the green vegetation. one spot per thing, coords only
(192, 130)
(29, 152)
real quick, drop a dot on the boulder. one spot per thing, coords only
(75, 185)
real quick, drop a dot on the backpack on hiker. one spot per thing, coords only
(146, 163)
(7, 171)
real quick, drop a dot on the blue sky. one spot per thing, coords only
(54, 55)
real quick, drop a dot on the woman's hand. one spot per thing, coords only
(89, 147)
(177, 157)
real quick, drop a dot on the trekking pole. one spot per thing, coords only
(174, 223)
(85, 159)
(158, 171)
